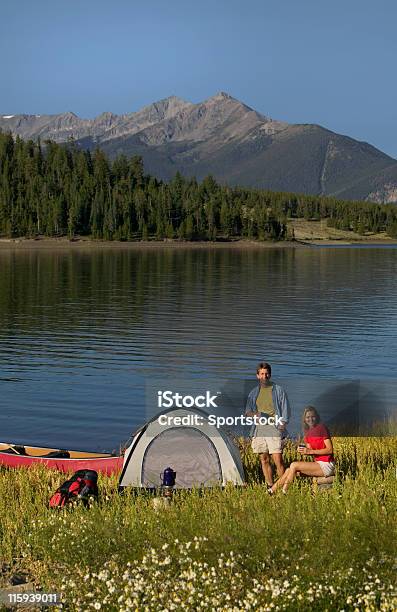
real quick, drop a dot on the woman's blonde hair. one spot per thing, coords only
(305, 411)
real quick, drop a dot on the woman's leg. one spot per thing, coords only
(281, 480)
(305, 467)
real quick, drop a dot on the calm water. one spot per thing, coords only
(81, 332)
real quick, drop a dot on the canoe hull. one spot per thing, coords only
(105, 465)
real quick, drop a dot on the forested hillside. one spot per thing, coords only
(58, 190)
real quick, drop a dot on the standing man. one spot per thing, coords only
(268, 400)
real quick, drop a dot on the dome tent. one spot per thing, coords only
(201, 455)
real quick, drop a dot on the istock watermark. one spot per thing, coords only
(169, 399)
(347, 407)
(196, 420)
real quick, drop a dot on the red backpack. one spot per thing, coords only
(81, 486)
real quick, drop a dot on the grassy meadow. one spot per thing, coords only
(308, 230)
(237, 549)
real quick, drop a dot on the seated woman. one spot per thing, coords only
(318, 445)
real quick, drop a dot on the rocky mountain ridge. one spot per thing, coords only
(224, 137)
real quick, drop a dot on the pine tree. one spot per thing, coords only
(54, 189)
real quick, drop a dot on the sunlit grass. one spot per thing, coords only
(232, 549)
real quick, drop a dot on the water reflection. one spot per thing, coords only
(82, 330)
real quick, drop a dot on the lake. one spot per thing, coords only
(84, 331)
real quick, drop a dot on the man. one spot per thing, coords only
(268, 400)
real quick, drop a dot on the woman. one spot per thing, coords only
(318, 445)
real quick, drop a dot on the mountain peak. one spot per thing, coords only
(171, 102)
(67, 115)
(175, 99)
(162, 109)
(106, 115)
(222, 96)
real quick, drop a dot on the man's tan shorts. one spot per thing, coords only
(270, 444)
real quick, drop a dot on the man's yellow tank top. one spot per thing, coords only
(264, 401)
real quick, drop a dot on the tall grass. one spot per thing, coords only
(227, 550)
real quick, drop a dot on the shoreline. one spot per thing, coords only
(22, 244)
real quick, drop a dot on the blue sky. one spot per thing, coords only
(331, 63)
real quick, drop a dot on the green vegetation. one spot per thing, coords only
(225, 550)
(59, 190)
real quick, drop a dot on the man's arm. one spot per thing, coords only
(285, 408)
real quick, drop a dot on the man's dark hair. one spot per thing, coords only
(264, 366)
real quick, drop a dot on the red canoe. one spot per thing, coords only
(63, 461)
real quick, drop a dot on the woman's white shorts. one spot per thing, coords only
(327, 467)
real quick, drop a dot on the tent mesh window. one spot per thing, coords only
(189, 452)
